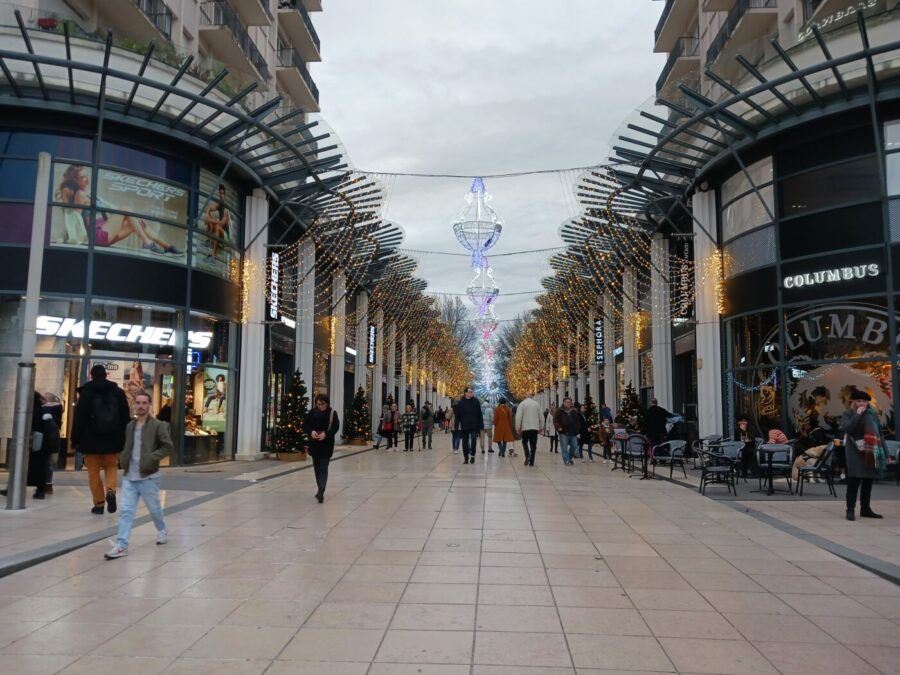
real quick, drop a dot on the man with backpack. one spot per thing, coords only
(98, 431)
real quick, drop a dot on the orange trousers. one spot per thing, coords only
(110, 465)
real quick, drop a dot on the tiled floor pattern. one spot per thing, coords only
(419, 564)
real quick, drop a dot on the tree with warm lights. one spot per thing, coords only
(289, 437)
(590, 415)
(358, 426)
(630, 407)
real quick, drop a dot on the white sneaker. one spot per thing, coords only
(456, 452)
(116, 552)
(162, 537)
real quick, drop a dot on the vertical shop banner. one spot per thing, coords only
(273, 283)
(599, 343)
(138, 231)
(371, 345)
(215, 398)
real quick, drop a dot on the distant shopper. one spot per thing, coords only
(486, 437)
(865, 449)
(605, 436)
(586, 435)
(44, 440)
(528, 422)
(147, 442)
(98, 431)
(655, 420)
(605, 413)
(53, 407)
(321, 425)
(453, 426)
(503, 426)
(394, 439)
(550, 428)
(469, 421)
(383, 432)
(567, 426)
(409, 421)
(428, 418)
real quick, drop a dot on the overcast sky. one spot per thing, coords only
(476, 87)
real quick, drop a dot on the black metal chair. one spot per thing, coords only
(822, 468)
(721, 467)
(779, 465)
(671, 454)
(618, 453)
(635, 449)
(892, 450)
(701, 445)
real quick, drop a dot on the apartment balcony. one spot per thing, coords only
(684, 59)
(718, 5)
(294, 19)
(674, 22)
(253, 12)
(313, 5)
(139, 19)
(294, 78)
(747, 20)
(226, 37)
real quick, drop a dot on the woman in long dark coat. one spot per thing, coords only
(860, 423)
(321, 424)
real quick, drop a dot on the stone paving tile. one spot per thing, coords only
(417, 564)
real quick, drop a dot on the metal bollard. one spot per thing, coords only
(19, 450)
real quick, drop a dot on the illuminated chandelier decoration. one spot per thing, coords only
(477, 228)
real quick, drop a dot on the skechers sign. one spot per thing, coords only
(119, 332)
(372, 343)
(832, 276)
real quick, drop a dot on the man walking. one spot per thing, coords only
(98, 432)
(470, 422)
(567, 427)
(528, 422)
(147, 441)
(605, 413)
(427, 418)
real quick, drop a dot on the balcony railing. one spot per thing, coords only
(298, 5)
(686, 46)
(662, 19)
(219, 13)
(159, 15)
(809, 8)
(289, 58)
(731, 21)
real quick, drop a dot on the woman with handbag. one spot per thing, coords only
(864, 446)
(381, 434)
(321, 425)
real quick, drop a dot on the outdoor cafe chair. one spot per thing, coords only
(701, 445)
(671, 454)
(892, 450)
(720, 467)
(822, 468)
(775, 461)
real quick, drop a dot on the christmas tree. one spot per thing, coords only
(359, 422)
(389, 401)
(289, 434)
(629, 407)
(590, 415)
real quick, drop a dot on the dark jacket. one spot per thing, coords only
(468, 414)
(318, 420)
(584, 433)
(853, 427)
(606, 413)
(156, 444)
(42, 421)
(567, 422)
(89, 440)
(655, 423)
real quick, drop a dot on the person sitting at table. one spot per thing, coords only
(749, 459)
(775, 435)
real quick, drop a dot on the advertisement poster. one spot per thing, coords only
(218, 225)
(132, 376)
(140, 233)
(215, 397)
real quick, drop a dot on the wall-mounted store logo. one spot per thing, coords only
(599, 343)
(372, 342)
(274, 284)
(119, 332)
(832, 276)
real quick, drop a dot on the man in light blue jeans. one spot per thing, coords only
(147, 442)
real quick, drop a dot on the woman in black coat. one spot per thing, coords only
(860, 424)
(321, 424)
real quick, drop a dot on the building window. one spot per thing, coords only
(749, 212)
(851, 182)
(739, 184)
(751, 251)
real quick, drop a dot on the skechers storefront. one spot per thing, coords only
(141, 273)
(810, 232)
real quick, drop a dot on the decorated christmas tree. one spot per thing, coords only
(289, 435)
(629, 407)
(359, 421)
(389, 401)
(590, 415)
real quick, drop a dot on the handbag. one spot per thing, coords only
(37, 441)
(388, 426)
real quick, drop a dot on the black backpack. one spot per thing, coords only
(105, 413)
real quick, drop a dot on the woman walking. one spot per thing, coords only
(550, 429)
(321, 425)
(866, 459)
(382, 431)
(394, 424)
(587, 434)
(503, 433)
(410, 421)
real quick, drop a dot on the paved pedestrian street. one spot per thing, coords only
(417, 563)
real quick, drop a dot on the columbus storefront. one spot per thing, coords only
(149, 288)
(811, 240)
